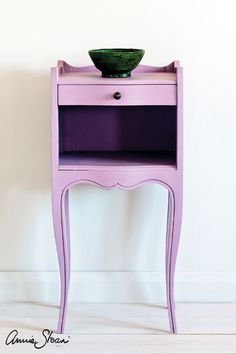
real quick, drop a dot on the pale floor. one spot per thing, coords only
(111, 328)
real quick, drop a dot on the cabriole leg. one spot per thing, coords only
(172, 242)
(60, 206)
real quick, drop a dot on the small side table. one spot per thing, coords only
(117, 133)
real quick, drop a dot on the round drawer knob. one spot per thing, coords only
(117, 95)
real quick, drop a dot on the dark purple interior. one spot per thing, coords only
(117, 129)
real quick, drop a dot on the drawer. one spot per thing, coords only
(104, 95)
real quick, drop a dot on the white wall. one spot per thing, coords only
(117, 230)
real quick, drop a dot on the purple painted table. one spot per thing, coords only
(116, 140)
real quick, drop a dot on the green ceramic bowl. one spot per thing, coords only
(116, 62)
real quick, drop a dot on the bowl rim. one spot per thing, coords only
(123, 50)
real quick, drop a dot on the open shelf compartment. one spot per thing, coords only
(116, 136)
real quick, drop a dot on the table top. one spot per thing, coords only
(94, 78)
(142, 75)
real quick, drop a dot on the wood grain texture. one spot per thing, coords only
(125, 328)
